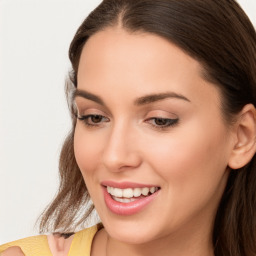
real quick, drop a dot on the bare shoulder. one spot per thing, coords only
(59, 245)
(33, 245)
(13, 251)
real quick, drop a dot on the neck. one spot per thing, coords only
(192, 238)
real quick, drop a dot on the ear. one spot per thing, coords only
(245, 138)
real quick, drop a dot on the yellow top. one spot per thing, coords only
(38, 245)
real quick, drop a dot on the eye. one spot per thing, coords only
(159, 122)
(93, 120)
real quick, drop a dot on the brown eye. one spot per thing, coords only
(96, 118)
(159, 122)
(93, 120)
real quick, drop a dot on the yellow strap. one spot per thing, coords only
(31, 246)
(82, 242)
(38, 245)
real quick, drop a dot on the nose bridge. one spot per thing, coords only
(121, 150)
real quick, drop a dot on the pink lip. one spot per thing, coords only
(124, 185)
(126, 209)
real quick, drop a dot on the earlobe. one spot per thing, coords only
(245, 138)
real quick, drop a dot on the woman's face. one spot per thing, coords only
(148, 121)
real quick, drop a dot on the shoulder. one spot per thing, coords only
(56, 244)
(89, 232)
(82, 242)
(13, 251)
(78, 244)
(59, 245)
(35, 245)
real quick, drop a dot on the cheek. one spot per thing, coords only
(87, 149)
(191, 157)
(192, 167)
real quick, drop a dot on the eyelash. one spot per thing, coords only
(168, 122)
(87, 120)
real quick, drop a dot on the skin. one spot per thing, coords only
(13, 251)
(188, 160)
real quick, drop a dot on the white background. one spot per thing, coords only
(34, 41)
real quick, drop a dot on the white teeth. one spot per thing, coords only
(137, 192)
(118, 192)
(152, 190)
(129, 193)
(123, 200)
(145, 191)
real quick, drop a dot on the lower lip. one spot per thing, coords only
(127, 208)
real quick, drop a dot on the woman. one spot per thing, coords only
(162, 96)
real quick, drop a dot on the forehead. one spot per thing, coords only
(115, 47)
(115, 59)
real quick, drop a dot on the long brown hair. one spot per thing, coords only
(220, 36)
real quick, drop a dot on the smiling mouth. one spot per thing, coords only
(128, 195)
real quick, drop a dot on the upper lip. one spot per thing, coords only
(126, 184)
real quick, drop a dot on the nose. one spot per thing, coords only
(121, 150)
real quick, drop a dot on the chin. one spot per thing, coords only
(131, 232)
(131, 237)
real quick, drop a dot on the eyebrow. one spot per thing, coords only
(88, 96)
(151, 98)
(157, 97)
